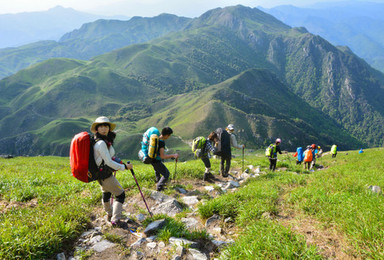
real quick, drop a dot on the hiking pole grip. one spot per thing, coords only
(146, 205)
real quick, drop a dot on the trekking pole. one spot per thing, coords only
(133, 173)
(174, 175)
(242, 168)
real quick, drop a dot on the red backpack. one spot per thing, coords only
(83, 164)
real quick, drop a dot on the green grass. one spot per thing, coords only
(51, 208)
(337, 197)
(175, 228)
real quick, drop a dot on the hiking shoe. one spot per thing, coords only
(224, 174)
(119, 224)
(160, 187)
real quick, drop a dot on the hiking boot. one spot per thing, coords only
(224, 175)
(119, 224)
(160, 187)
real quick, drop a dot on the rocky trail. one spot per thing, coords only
(102, 241)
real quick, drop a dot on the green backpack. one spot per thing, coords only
(198, 146)
(269, 151)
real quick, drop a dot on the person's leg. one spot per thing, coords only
(227, 165)
(270, 164)
(161, 169)
(222, 171)
(113, 186)
(274, 164)
(107, 204)
(207, 165)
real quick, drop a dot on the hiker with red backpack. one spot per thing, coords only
(202, 147)
(153, 152)
(271, 152)
(103, 154)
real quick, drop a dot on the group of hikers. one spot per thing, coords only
(152, 152)
(218, 142)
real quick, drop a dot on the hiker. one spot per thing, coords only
(300, 155)
(231, 129)
(313, 149)
(334, 151)
(202, 147)
(156, 153)
(223, 149)
(272, 151)
(226, 138)
(102, 128)
(361, 151)
(308, 156)
(319, 152)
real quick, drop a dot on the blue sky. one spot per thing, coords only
(190, 8)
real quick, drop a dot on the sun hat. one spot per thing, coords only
(278, 140)
(102, 120)
(231, 127)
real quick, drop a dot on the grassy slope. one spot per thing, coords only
(336, 197)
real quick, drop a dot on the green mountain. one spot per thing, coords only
(232, 65)
(358, 25)
(91, 39)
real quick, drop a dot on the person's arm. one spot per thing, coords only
(278, 149)
(167, 156)
(234, 142)
(102, 149)
(209, 147)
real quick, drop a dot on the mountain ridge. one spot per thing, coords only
(179, 67)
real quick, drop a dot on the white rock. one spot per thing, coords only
(151, 245)
(96, 239)
(190, 200)
(102, 245)
(197, 255)
(209, 188)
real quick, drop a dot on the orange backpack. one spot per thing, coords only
(308, 156)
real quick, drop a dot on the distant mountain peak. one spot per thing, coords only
(237, 17)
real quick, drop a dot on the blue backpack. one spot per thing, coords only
(300, 154)
(150, 146)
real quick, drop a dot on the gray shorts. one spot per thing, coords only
(111, 185)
